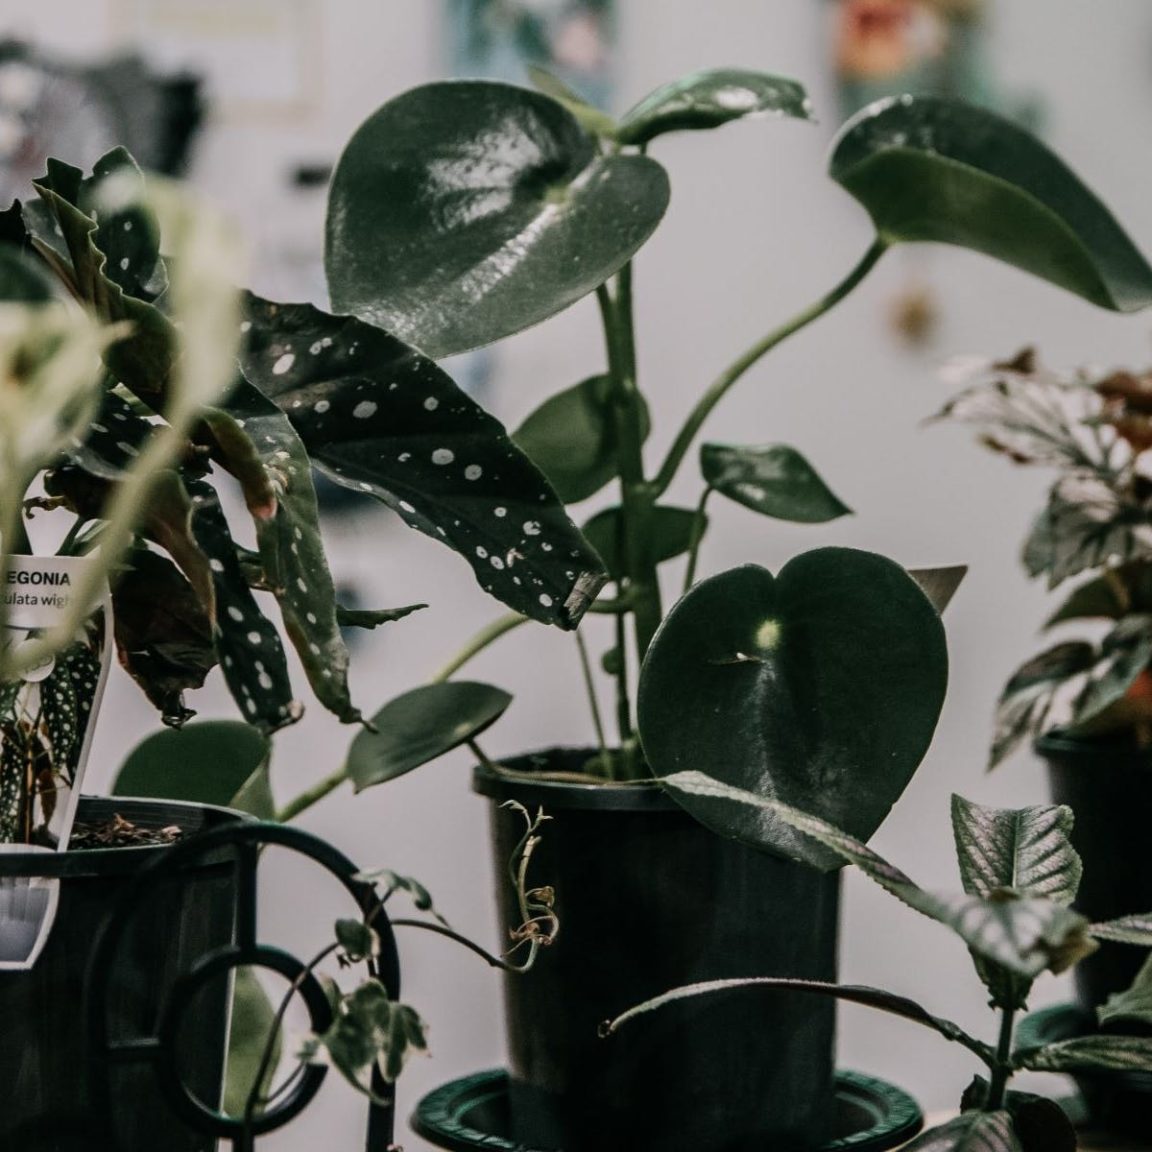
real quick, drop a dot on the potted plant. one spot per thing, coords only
(461, 213)
(1020, 875)
(123, 409)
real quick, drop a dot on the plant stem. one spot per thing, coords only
(1002, 1069)
(732, 374)
(311, 795)
(590, 687)
(487, 635)
(698, 526)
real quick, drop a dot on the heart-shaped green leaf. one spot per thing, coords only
(572, 440)
(421, 725)
(940, 170)
(711, 98)
(377, 416)
(671, 535)
(208, 762)
(774, 480)
(819, 687)
(462, 212)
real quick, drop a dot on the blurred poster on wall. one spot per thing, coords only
(256, 56)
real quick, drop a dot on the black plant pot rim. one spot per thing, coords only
(1100, 751)
(524, 778)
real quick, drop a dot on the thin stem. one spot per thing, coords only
(312, 795)
(732, 374)
(487, 635)
(623, 703)
(698, 526)
(1002, 1068)
(471, 945)
(590, 688)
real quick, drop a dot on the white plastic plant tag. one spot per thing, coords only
(47, 719)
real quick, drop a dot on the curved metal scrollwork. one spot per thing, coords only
(237, 845)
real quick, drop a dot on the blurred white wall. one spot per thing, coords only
(755, 231)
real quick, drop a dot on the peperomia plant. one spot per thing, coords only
(1094, 430)
(1019, 874)
(462, 213)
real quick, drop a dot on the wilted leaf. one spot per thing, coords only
(358, 941)
(774, 480)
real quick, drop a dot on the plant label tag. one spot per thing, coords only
(47, 719)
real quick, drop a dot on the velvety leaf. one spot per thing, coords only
(1134, 1004)
(373, 617)
(1026, 850)
(253, 1017)
(292, 550)
(939, 584)
(820, 688)
(1085, 1053)
(378, 416)
(934, 169)
(421, 725)
(970, 1132)
(774, 480)
(672, 530)
(462, 212)
(22, 280)
(1126, 930)
(163, 635)
(1029, 695)
(571, 438)
(711, 98)
(208, 762)
(247, 643)
(589, 117)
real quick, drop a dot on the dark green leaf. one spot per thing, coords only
(1134, 1004)
(820, 687)
(1111, 1053)
(208, 762)
(774, 480)
(421, 725)
(1024, 849)
(358, 941)
(1104, 597)
(970, 1132)
(709, 99)
(462, 212)
(393, 882)
(671, 535)
(933, 169)
(1127, 930)
(1027, 698)
(22, 279)
(253, 1017)
(60, 715)
(373, 617)
(939, 584)
(571, 438)
(379, 417)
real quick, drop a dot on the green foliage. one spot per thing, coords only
(1134, 1004)
(253, 1020)
(671, 535)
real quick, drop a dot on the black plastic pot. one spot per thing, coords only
(1108, 785)
(648, 899)
(45, 1053)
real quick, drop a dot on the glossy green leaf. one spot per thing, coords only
(1135, 930)
(1134, 1004)
(379, 417)
(1026, 936)
(60, 715)
(970, 1132)
(462, 212)
(1086, 1053)
(939, 170)
(420, 726)
(253, 1018)
(587, 115)
(819, 687)
(671, 535)
(1026, 850)
(571, 438)
(710, 99)
(773, 479)
(940, 584)
(207, 762)
(22, 280)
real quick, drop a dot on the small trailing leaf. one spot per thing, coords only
(571, 438)
(370, 1031)
(253, 1018)
(819, 687)
(940, 170)
(1086, 1053)
(247, 643)
(373, 617)
(774, 480)
(1026, 850)
(451, 243)
(1029, 695)
(378, 416)
(358, 941)
(421, 725)
(672, 534)
(970, 1132)
(1127, 930)
(710, 99)
(1134, 1004)
(393, 882)
(219, 762)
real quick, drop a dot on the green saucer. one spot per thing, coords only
(472, 1113)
